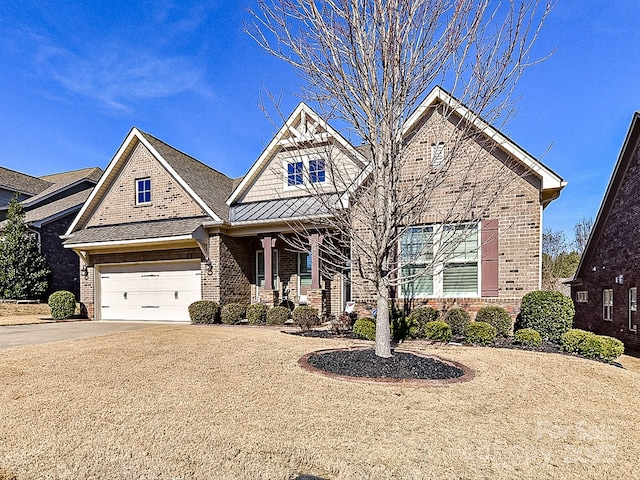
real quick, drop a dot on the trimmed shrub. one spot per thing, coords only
(257, 313)
(204, 311)
(457, 318)
(498, 317)
(278, 315)
(399, 328)
(590, 345)
(305, 317)
(480, 333)
(573, 340)
(62, 304)
(437, 330)
(528, 337)
(232, 313)
(549, 313)
(417, 319)
(365, 328)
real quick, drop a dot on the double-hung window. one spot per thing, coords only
(304, 273)
(416, 256)
(607, 304)
(439, 261)
(317, 172)
(143, 191)
(295, 173)
(260, 270)
(459, 260)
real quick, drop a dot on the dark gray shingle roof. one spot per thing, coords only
(19, 182)
(210, 185)
(63, 180)
(137, 231)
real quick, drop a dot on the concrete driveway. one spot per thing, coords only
(17, 335)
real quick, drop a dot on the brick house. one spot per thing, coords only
(50, 203)
(605, 286)
(161, 229)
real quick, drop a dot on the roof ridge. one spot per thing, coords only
(183, 153)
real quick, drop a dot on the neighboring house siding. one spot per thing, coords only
(270, 184)
(168, 198)
(615, 254)
(64, 263)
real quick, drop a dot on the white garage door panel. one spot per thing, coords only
(149, 291)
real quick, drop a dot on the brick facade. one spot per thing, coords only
(613, 253)
(516, 207)
(168, 198)
(64, 263)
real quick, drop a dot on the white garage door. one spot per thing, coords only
(152, 291)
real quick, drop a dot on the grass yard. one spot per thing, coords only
(24, 313)
(200, 402)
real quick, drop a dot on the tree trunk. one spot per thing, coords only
(383, 332)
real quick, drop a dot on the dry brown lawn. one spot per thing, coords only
(200, 402)
(12, 310)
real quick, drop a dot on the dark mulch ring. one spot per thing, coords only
(322, 334)
(365, 363)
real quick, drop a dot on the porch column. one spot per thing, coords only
(315, 240)
(268, 243)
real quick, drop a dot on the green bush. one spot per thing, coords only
(399, 328)
(528, 337)
(365, 328)
(457, 318)
(305, 317)
(498, 317)
(257, 313)
(62, 304)
(480, 332)
(417, 319)
(590, 345)
(437, 330)
(232, 313)
(278, 315)
(549, 313)
(204, 311)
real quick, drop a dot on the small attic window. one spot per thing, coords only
(437, 154)
(317, 173)
(143, 191)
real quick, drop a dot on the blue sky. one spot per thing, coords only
(75, 76)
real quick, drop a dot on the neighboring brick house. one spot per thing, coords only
(50, 203)
(605, 287)
(161, 229)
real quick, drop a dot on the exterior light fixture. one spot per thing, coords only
(209, 267)
(84, 271)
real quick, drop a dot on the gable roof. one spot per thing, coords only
(206, 186)
(21, 183)
(619, 172)
(552, 183)
(60, 182)
(289, 128)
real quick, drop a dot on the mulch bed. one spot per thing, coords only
(365, 363)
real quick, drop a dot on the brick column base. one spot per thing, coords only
(86, 310)
(270, 297)
(315, 299)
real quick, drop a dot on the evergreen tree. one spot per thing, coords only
(23, 269)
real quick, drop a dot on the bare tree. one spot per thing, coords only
(369, 64)
(581, 231)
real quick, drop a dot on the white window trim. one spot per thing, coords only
(438, 267)
(633, 311)
(609, 305)
(306, 177)
(138, 180)
(275, 274)
(582, 296)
